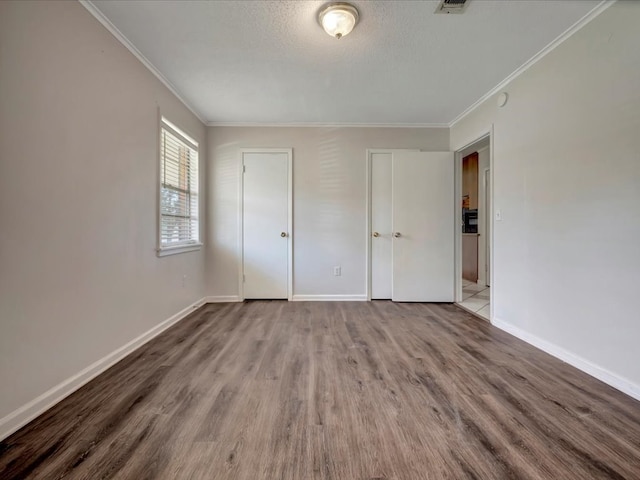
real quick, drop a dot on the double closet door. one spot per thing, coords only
(412, 226)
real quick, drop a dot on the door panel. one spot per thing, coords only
(381, 224)
(423, 217)
(265, 219)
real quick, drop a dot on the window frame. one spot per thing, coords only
(189, 141)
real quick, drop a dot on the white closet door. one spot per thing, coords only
(265, 225)
(381, 227)
(423, 224)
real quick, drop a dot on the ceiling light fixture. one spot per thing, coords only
(338, 19)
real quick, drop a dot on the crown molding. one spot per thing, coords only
(106, 23)
(328, 125)
(597, 10)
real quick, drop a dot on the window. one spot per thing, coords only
(179, 229)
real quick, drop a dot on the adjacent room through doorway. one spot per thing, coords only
(474, 208)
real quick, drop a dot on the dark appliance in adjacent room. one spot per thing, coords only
(470, 220)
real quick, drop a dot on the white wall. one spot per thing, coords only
(567, 180)
(79, 276)
(329, 183)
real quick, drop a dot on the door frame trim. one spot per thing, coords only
(487, 224)
(484, 133)
(289, 153)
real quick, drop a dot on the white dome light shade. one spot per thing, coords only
(338, 19)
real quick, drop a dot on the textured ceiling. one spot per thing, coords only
(270, 62)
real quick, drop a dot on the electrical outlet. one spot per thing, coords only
(184, 280)
(337, 271)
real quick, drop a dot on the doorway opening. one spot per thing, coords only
(474, 234)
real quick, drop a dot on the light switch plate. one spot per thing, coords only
(498, 215)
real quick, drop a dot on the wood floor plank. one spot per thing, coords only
(305, 390)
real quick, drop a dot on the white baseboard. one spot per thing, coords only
(602, 374)
(329, 298)
(23, 415)
(295, 298)
(223, 299)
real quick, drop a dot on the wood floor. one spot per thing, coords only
(279, 390)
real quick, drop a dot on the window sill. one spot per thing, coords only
(163, 252)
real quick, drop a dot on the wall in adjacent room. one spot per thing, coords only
(329, 190)
(79, 275)
(566, 179)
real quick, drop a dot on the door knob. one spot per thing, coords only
(376, 234)
(283, 234)
(397, 234)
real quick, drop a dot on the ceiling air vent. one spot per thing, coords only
(452, 6)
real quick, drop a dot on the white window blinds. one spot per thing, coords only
(178, 188)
